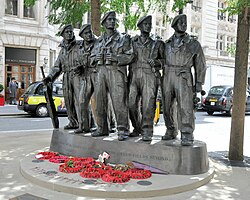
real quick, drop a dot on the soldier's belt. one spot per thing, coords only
(68, 70)
(141, 67)
(110, 66)
(177, 69)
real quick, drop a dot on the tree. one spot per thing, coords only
(71, 11)
(242, 8)
(96, 16)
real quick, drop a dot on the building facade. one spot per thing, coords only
(216, 32)
(27, 42)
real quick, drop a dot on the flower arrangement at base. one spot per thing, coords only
(58, 159)
(46, 155)
(92, 173)
(95, 169)
(70, 167)
(116, 177)
(138, 173)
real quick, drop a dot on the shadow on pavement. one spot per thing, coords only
(222, 157)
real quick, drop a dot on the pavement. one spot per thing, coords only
(230, 182)
(10, 110)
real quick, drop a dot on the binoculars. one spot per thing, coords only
(104, 51)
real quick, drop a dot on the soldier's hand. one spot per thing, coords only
(78, 70)
(198, 87)
(99, 57)
(46, 80)
(111, 57)
(153, 63)
(84, 58)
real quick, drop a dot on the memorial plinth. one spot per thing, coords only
(168, 156)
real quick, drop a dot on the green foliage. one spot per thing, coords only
(124, 7)
(231, 49)
(71, 11)
(68, 11)
(161, 6)
(65, 11)
(235, 6)
(180, 4)
(29, 3)
(1, 87)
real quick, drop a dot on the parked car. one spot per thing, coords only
(33, 100)
(220, 99)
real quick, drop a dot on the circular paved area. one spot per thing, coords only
(46, 174)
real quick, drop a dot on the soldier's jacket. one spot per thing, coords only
(187, 54)
(67, 60)
(84, 57)
(151, 49)
(120, 45)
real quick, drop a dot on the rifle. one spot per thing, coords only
(50, 102)
(153, 69)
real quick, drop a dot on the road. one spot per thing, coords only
(214, 130)
(27, 123)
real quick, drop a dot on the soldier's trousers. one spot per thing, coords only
(86, 120)
(71, 90)
(178, 86)
(143, 87)
(111, 80)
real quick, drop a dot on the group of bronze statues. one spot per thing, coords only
(121, 75)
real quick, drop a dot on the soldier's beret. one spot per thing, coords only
(176, 19)
(143, 18)
(65, 27)
(84, 27)
(106, 15)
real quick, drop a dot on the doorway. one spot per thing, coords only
(24, 75)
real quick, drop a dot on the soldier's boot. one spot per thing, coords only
(147, 135)
(93, 126)
(99, 133)
(102, 130)
(112, 129)
(122, 135)
(187, 139)
(170, 134)
(80, 130)
(135, 133)
(70, 126)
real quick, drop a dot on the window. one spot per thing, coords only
(11, 7)
(231, 46)
(220, 45)
(196, 5)
(221, 15)
(195, 31)
(40, 90)
(58, 89)
(28, 12)
(25, 74)
(232, 18)
(157, 22)
(230, 42)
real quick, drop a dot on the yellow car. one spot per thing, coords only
(33, 100)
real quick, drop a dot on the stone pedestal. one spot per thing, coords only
(168, 156)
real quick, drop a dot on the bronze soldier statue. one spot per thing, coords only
(144, 79)
(182, 52)
(112, 53)
(88, 73)
(68, 63)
